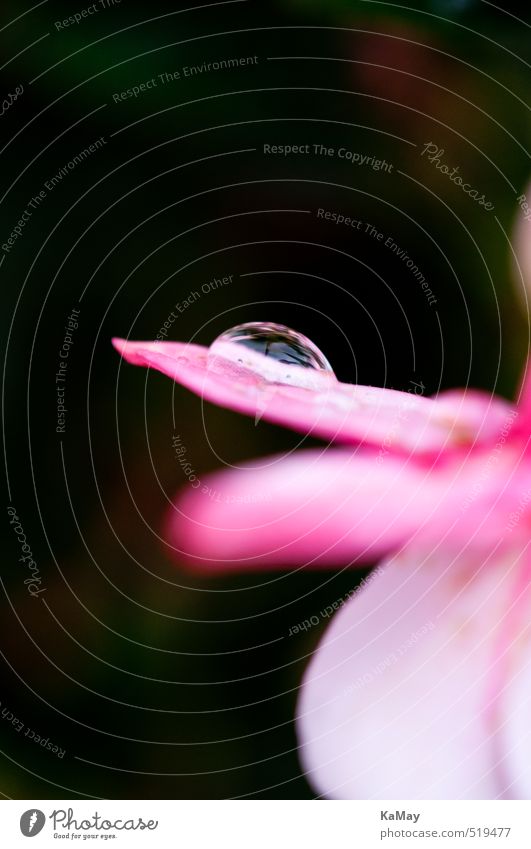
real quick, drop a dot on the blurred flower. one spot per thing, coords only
(421, 685)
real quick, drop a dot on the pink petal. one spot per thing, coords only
(391, 420)
(397, 702)
(319, 508)
(517, 732)
(514, 703)
(524, 401)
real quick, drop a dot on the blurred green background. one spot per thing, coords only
(158, 683)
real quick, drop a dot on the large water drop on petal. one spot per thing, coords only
(273, 353)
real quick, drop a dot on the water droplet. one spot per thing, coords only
(273, 352)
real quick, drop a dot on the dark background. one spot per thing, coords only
(156, 682)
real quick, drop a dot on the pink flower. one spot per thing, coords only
(421, 686)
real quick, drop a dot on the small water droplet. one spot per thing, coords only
(273, 352)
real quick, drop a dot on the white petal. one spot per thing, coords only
(395, 703)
